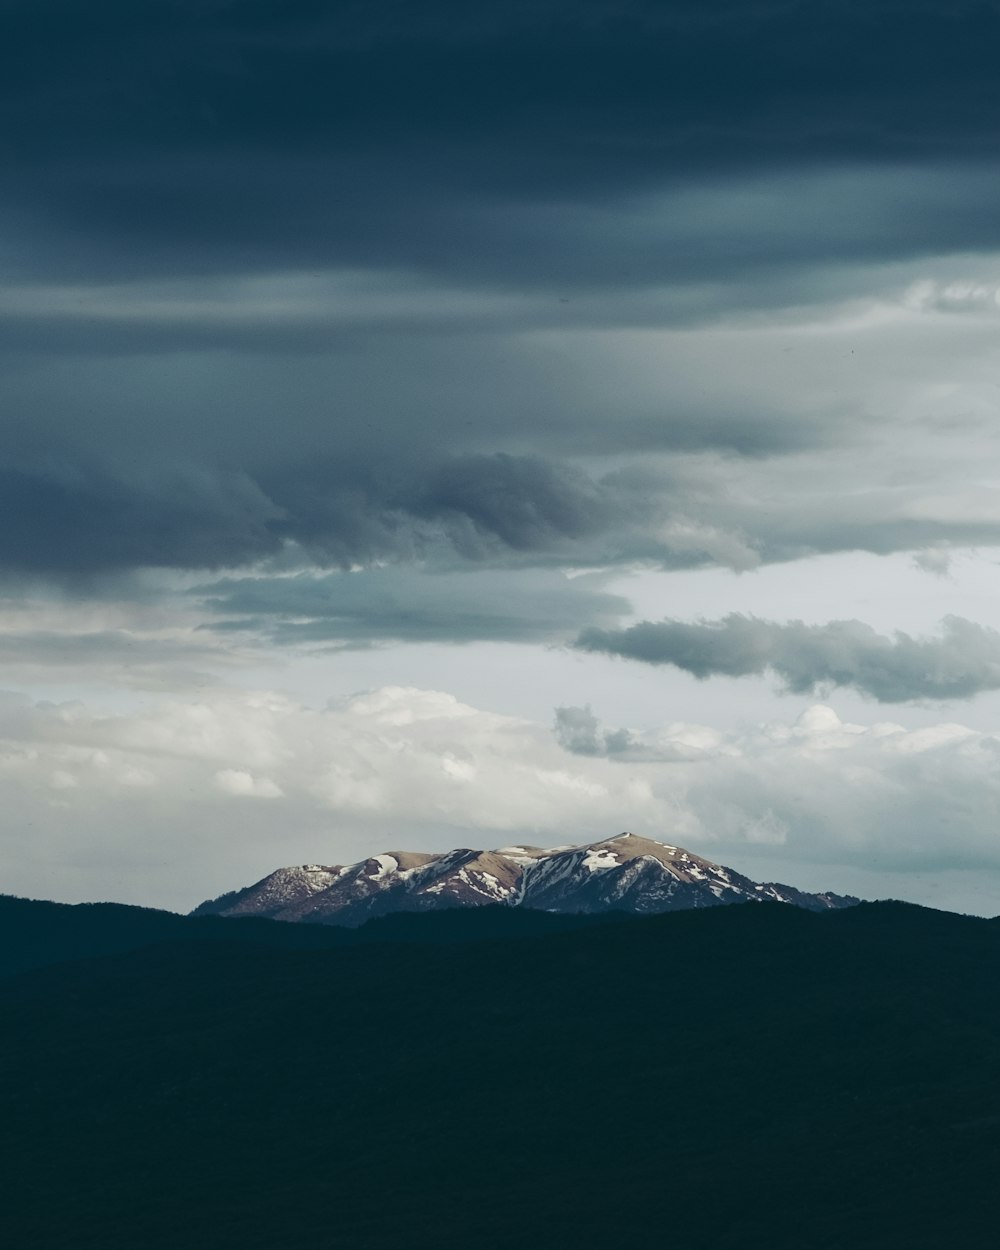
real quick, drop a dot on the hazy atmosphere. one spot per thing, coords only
(428, 426)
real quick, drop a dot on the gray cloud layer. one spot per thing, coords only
(74, 521)
(963, 662)
(542, 95)
(578, 730)
(329, 283)
(356, 609)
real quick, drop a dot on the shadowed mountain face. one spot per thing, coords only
(624, 874)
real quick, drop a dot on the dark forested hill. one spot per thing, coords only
(754, 1076)
(34, 933)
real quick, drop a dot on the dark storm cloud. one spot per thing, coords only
(963, 662)
(73, 521)
(289, 313)
(568, 166)
(191, 136)
(693, 230)
(675, 75)
(483, 507)
(79, 522)
(378, 605)
(521, 502)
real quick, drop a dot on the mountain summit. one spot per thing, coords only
(624, 873)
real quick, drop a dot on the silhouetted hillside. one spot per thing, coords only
(749, 1076)
(35, 933)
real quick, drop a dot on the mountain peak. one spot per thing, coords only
(625, 872)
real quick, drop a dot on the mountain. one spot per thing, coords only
(622, 874)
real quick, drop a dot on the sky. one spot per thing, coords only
(437, 425)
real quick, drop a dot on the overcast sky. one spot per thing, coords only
(431, 425)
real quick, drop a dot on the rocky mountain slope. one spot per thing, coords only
(624, 873)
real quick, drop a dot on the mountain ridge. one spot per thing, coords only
(624, 873)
